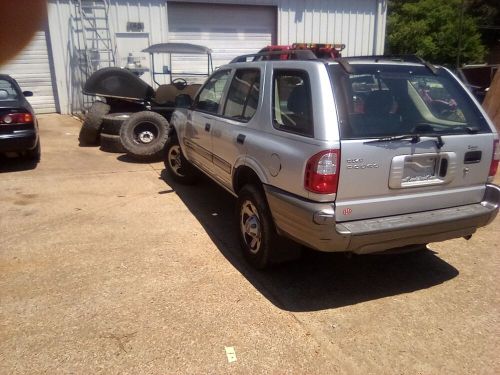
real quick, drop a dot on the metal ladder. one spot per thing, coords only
(96, 46)
(94, 22)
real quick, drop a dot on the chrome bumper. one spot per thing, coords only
(313, 224)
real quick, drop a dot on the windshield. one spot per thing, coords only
(7, 91)
(390, 100)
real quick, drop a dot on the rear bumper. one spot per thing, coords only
(313, 224)
(20, 140)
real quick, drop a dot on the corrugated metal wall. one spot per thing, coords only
(360, 24)
(66, 41)
(354, 23)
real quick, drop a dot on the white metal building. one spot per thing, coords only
(49, 66)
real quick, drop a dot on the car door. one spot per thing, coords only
(229, 130)
(201, 119)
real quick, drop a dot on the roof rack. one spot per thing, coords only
(401, 58)
(344, 61)
(299, 55)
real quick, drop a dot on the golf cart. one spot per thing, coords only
(133, 117)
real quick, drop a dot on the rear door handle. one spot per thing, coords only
(207, 127)
(240, 138)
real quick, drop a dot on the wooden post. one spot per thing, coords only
(491, 102)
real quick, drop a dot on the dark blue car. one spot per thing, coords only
(18, 124)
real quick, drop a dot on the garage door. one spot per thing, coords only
(229, 30)
(31, 69)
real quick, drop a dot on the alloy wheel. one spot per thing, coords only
(250, 226)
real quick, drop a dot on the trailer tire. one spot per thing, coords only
(111, 143)
(91, 127)
(112, 122)
(144, 135)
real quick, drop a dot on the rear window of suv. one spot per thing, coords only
(292, 106)
(388, 100)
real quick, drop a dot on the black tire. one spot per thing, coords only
(34, 154)
(256, 230)
(176, 164)
(91, 127)
(111, 143)
(144, 135)
(112, 122)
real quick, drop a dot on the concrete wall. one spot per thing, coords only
(360, 24)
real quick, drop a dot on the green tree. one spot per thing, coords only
(487, 12)
(433, 29)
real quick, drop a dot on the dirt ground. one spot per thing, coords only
(106, 268)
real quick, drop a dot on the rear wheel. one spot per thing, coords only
(257, 234)
(144, 135)
(176, 164)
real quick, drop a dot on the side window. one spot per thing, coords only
(292, 109)
(243, 95)
(210, 95)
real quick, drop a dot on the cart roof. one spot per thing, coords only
(177, 48)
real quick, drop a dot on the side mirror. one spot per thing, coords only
(28, 93)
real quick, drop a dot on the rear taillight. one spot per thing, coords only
(16, 118)
(322, 172)
(495, 158)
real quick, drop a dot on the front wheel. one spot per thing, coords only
(258, 237)
(176, 164)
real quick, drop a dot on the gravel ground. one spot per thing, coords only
(106, 268)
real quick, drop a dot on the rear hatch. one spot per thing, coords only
(411, 140)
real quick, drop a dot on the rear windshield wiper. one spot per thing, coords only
(413, 138)
(468, 129)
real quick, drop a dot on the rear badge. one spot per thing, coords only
(347, 211)
(358, 163)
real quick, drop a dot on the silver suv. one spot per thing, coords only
(357, 154)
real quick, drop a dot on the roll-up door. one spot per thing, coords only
(31, 69)
(229, 30)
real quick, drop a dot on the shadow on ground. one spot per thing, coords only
(317, 280)
(16, 164)
(128, 159)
